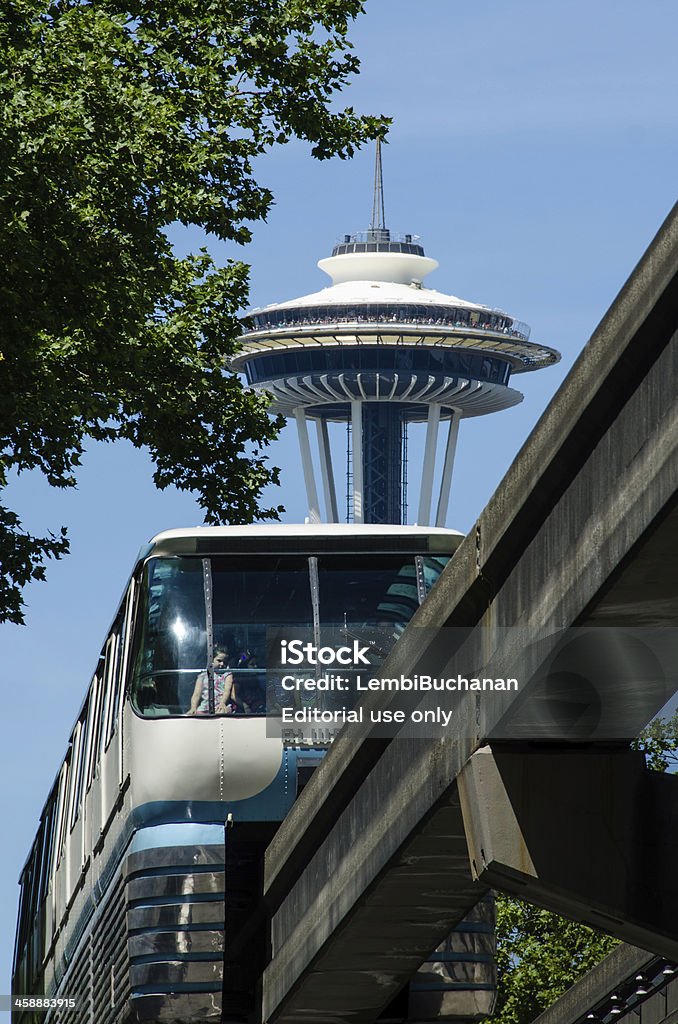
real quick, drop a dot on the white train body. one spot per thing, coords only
(122, 905)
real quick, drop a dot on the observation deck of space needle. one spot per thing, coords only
(377, 351)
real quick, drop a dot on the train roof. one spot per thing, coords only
(310, 537)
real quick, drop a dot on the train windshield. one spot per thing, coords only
(202, 624)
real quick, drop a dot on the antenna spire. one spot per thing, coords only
(378, 231)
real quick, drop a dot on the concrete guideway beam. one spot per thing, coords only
(637, 328)
(581, 531)
(591, 835)
(378, 943)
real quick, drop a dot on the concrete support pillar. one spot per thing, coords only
(591, 835)
(307, 462)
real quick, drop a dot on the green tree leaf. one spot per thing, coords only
(118, 119)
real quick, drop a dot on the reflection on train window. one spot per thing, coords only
(170, 641)
(243, 596)
(383, 590)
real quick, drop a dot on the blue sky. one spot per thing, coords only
(534, 150)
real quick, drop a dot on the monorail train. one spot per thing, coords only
(122, 895)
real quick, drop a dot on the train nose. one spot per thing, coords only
(199, 759)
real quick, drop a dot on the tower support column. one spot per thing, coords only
(307, 462)
(329, 490)
(426, 495)
(448, 466)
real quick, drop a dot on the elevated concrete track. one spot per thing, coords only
(370, 870)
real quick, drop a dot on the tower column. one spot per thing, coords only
(307, 462)
(426, 495)
(327, 473)
(448, 466)
(382, 468)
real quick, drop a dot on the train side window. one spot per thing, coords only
(60, 817)
(115, 670)
(81, 766)
(30, 943)
(19, 930)
(94, 731)
(47, 828)
(73, 775)
(123, 650)
(117, 691)
(24, 916)
(32, 907)
(109, 686)
(35, 926)
(89, 730)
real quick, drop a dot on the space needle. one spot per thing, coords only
(378, 351)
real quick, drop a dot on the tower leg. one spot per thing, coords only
(448, 466)
(329, 490)
(307, 462)
(426, 495)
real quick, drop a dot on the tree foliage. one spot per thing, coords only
(118, 119)
(540, 954)
(659, 743)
